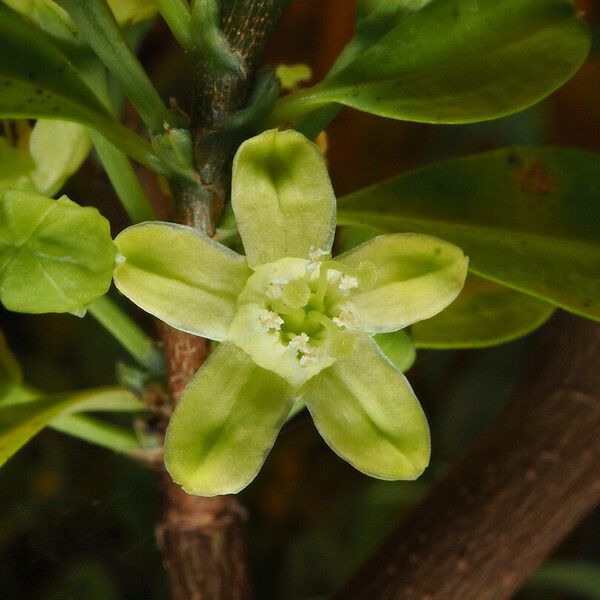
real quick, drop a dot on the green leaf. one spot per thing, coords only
(416, 276)
(97, 432)
(19, 422)
(181, 276)
(57, 148)
(485, 314)
(99, 28)
(578, 577)
(36, 80)
(527, 218)
(454, 61)
(55, 256)
(398, 349)
(132, 12)
(368, 414)
(10, 370)
(225, 423)
(56, 151)
(282, 197)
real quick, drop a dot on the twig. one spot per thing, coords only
(202, 539)
(517, 493)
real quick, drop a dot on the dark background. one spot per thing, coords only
(76, 522)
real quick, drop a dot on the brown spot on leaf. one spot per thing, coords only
(534, 179)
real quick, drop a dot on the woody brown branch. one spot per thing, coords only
(531, 478)
(202, 539)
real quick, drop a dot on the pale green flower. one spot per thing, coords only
(294, 324)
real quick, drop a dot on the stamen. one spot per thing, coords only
(347, 283)
(314, 258)
(309, 358)
(271, 321)
(300, 343)
(346, 320)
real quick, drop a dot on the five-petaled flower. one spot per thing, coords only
(294, 325)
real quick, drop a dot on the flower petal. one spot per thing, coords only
(417, 276)
(282, 197)
(225, 423)
(180, 276)
(367, 412)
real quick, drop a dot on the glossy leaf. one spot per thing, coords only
(485, 314)
(282, 197)
(181, 276)
(224, 425)
(98, 26)
(367, 412)
(58, 148)
(454, 61)
(43, 158)
(398, 349)
(19, 422)
(527, 218)
(55, 256)
(416, 276)
(36, 80)
(131, 12)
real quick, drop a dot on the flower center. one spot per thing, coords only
(295, 316)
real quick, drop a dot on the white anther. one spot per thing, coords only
(347, 283)
(346, 319)
(314, 258)
(309, 358)
(270, 321)
(300, 343)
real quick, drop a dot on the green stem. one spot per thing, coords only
(98, 432)
(177, 15)
(123, 178)
(291, 107)
(99, 28)
(127, 332)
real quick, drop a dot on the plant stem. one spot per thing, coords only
(528, 481)
(127, 332)
(176, 13)
(123, 178)
(97, 432)
(202, 539)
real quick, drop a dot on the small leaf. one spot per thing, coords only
(10, 370)
(57, 148)
(19, 422)
(282, 197)
(527, 218)
(485, 314)
(453, 61)
(55, 256)
(132, 12)
(36, 80)
(398, 348)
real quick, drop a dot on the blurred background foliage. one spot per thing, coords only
(76, 522)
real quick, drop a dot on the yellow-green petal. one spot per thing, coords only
(181, 276)
(416, 276)
(367, 412)
(225, 423)
(282, 197)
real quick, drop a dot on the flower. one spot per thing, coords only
(292, 323)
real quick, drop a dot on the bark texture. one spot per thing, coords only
(516, 494)
(202, 539)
